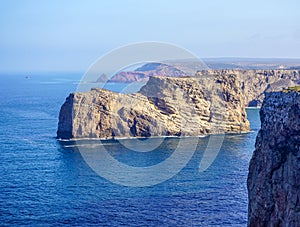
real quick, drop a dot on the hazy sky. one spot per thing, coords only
(70, 35)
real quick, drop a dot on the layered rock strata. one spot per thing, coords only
(165, 106)
(255, 83)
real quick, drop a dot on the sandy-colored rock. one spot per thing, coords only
(255, 83)
(274, 171)
(165, 106)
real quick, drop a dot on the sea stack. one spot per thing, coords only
(274, 171)
(165, 106)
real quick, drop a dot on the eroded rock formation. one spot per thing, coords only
(165, 106)
(255, 83)
(274, 171)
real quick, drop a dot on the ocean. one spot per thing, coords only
(45, 182)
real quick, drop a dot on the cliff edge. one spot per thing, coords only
(274, 171)
(255, 83)
(165, 106)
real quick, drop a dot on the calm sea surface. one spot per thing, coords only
(45, 182)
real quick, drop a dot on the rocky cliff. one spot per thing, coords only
(165, 106)
(255, 83)
(274, 171)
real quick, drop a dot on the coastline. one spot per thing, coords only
(253, 108)
(150, 137)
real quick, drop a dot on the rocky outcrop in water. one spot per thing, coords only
(165, 106)
(274, 171)
(255, 83)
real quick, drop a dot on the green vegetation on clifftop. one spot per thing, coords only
(295, 88)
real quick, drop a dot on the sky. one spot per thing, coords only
(41, 36)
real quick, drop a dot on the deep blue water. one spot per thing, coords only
(45, 182)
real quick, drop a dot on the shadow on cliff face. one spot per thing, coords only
(273, 180)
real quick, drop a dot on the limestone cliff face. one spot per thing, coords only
(274, 171)
(255, 83)
(165, 106)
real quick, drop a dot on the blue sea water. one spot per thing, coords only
(44, 182)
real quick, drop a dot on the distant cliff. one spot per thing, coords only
(165, 106)
(255, 83)
(274, 171)
(144, 72)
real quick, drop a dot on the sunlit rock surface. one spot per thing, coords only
(165, 106)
